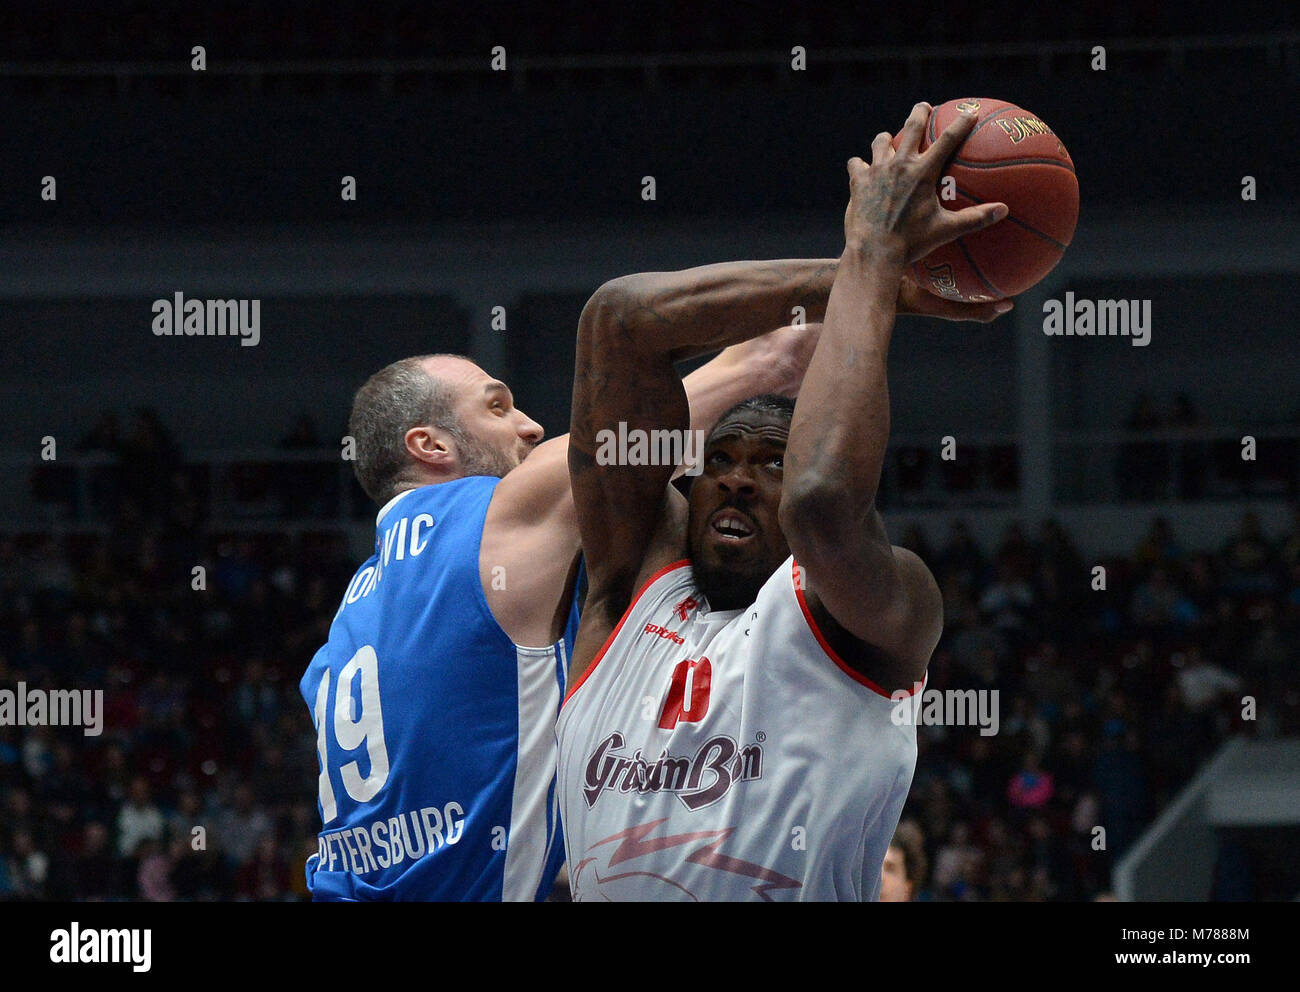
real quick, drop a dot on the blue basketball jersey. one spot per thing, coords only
(435, 732)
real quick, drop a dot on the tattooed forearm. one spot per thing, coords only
(840, 430)
(710, 307)
(668, 316)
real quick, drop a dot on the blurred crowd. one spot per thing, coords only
(203, 782)
(1109, 698)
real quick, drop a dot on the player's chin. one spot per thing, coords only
(749, 560)
(731, 581)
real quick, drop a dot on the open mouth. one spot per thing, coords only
(732, 525)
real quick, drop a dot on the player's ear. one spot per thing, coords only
(430, 446)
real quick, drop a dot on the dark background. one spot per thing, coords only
(522, 189)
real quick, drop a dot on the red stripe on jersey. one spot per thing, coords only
(622, 620)
(830, 651)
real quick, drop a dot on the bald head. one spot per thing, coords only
(452, 371)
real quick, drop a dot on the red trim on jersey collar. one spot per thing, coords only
(622, 620)
(856, 676)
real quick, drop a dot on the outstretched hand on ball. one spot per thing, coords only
(894, 202)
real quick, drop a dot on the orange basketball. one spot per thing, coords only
(1014, 158)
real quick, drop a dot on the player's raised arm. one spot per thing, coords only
(532, 529)
(878, 594)
(631, 332)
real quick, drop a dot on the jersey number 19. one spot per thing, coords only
(350, 733)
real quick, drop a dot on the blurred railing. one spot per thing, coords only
(976, 469)
(1179, 464)
(286, 491)
(1278, 50)
(254, 490)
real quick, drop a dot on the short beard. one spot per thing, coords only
(479, 459)
(727, 588)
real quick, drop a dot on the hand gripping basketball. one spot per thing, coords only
(894, 203)
(1011, 156)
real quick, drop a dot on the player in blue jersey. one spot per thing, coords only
(435, 698)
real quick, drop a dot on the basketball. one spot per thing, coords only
(1011, 157)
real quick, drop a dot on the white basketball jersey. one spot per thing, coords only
(728, 755)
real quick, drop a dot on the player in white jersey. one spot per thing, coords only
(735, 737)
